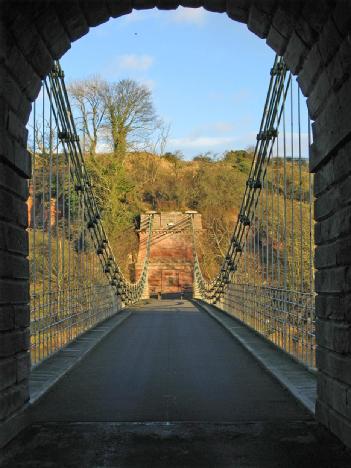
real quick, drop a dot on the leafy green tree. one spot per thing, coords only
(130, 116)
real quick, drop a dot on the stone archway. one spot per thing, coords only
(313, 36)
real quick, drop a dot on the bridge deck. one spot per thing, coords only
(169, 363)
(199, 397)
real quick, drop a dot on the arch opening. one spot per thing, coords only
(312, 49)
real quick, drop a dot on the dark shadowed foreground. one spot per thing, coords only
(170, 387)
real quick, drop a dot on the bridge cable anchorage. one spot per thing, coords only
(67, 235)
(266, 276)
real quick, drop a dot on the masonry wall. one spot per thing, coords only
(171, 254)
(313, 36)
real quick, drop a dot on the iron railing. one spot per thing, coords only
(283, 316)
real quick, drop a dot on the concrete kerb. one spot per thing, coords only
(26, 416)
(304, 394)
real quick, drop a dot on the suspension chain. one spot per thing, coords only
(279, 84)
(128, 292)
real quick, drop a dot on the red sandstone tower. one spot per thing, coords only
(171, 255)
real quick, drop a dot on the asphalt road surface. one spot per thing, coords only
(170, 387)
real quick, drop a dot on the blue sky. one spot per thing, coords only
(208, 74)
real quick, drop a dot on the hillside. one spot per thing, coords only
(212, 187)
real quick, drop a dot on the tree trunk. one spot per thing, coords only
(92, 148)
(119, 142)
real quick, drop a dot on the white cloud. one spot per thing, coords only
(223, 127)
(132, 63)
(181, 15)
(135, 62)
(189, 16)
(149, 83)
(200, 142)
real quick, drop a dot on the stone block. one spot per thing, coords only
(329, 137)
(333, 364)
(14, 341)
(276, 41)
(334, 307)
(334, 335)
(326, 204)
(13, 266)
(343, 190)
(73, 19)
(335, 394)
(333, 280)
(123, 7)
(268, 6)
(17, 128)
(310, 70)
(31, 44)
(11, 181)
(238, 10)
(7, 343)
(342, 251)
(144, 4)
(335, 226)
(322, 413)
(14, 239)
(53, 33)
(13, 209)
(217, 6)
(339, 68)
(7, 318)
(22, 315)
(14, 291)
(7, 372)
(22, 366)
(295, 53)
(22, 160)
(342, 17)
(325, 256)
(14, 154)
(95, 12)
(172, 4)
(13, 95)
(259, 21)
(336, 170)
(334, 421)
(305, 32)
(316, 17)
(283, 20)
(318, 95)
(12, 399)
(28, 80)
(329, 41)
(324, 178)
(342, 163)
(329, 307)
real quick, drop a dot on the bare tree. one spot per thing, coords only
(88, 99)
(43, 137)
(130, 115)
(157, 142)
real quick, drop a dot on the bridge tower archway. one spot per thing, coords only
(313, 37)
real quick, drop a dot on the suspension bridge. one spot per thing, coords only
(110, 366)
